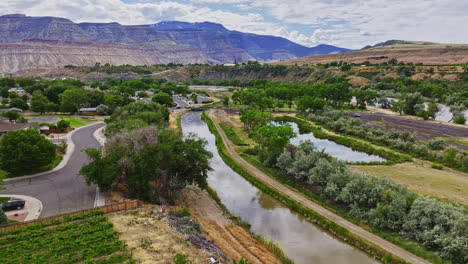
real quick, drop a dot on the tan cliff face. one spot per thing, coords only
(56, 54)
(51, 42)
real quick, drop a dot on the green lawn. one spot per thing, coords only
(76, 121)
(4, 199)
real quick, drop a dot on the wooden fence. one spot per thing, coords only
(107, 209)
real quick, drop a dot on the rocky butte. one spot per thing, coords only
(50, 42)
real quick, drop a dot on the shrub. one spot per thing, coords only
(436, 144)
(63, 124)
(461, 120)
(3, 218)
(181, 259)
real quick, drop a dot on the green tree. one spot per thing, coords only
(272, 140)
(163, 99)
(25, 151)
(39, 103)
(3, 217)
(19, 103)
(398, 107)
(72, 100)
(226, 101)
(147, 155)
(63, 124)
(345, 67)
(11, 115)
(253, 118)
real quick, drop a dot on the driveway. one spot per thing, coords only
(179, 101)
(62, 191)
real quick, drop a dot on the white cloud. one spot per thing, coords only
(347, 23)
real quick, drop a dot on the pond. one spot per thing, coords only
(331, 148)
(301, 240)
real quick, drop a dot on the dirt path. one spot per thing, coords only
(234, 240)
(284, 190)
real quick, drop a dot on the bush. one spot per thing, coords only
(181, 259)
(3, 218)
(461, 120)
(436, 144)
(63, 125)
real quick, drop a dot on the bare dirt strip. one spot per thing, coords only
(292, 194)
(424, 129)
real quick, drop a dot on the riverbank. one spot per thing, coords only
(337, 225)
(230, 233)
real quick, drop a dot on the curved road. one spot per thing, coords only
(62, 191)
(300, 198)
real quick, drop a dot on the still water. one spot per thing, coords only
(302, 241)
(333, 149)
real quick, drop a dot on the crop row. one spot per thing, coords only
(73, 239)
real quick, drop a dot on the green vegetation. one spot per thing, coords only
(11, 115)
(163, 99)
(181, 259)
(75, 121)
(379, 202)
(151, 160)
(25, 151)
(80, 238)
(405, 142)
(232, 135)
(312, 216)
(390, 156)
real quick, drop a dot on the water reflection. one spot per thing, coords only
(301, 240)
(333, 149)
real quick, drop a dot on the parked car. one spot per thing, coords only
(15, 204)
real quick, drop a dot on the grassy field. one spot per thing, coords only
(82, 238)
(4, 199)
(459, 141)
(441, 184)
(77, 121)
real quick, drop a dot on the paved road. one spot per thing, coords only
(178, 100)
(62, 191)
(300, 198)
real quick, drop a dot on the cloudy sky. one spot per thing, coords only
(346, 23)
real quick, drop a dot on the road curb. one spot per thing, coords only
(29, 199)
(98, 134)
(63, 163)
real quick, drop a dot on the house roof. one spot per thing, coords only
(2, 110)
(11, 127)
(88, 109)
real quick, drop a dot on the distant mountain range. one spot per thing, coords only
(50, 42)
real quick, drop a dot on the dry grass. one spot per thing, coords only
(441, 184)
(151, 240)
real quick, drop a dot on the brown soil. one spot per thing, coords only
(235, 241)
(424, 129)
(300, 198)
(137, 227)
(427, 54)
(173, 119)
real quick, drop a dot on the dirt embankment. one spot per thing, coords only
(427, 54)
(235, 241)
(301, 199)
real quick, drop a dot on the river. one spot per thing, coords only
(331, 148)
(301, 240)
